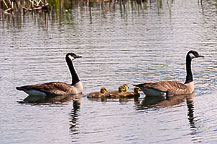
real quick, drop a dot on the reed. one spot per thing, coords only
(37, 4)
(11, 6)
(25, 6)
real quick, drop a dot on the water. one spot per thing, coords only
(119, 45)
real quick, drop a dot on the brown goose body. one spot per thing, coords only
(57, 88)
(166, 88)
(52, 89)
(172, 88)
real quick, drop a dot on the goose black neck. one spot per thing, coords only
(74, 75)
(189, 77)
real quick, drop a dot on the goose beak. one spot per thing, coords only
(78, 56)
(200, 56)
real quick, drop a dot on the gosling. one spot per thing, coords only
(115, 94)
(97, 94)
(131, 94)
(125, 86)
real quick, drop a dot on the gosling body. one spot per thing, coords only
(131, 94)
(115, 94)
(97, 94)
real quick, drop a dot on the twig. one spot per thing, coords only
(5, 4)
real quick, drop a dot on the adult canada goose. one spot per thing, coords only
(97, 94)
(57, 88)
(170, 88)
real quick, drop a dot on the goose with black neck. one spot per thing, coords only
(171, 88)
(57, 88)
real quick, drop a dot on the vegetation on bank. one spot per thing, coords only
(25, 6)
(12, 6)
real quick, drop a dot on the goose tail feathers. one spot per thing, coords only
(20, 88)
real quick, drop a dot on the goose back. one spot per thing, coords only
(52, 89)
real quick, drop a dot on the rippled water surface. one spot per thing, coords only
(120, 43)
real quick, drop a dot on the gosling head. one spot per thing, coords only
(125, 86)
(136, 89)
(72, 56)
(193, 54)
(121, 89)
(103, 90)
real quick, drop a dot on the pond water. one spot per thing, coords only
(121, 43)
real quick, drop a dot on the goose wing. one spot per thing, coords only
(171, 87)
(52, 88)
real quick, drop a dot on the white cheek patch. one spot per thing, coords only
(71, 57)
(192, 55)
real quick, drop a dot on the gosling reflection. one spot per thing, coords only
(120, 100)
(55, 99)
(104, 100)
(121, 95)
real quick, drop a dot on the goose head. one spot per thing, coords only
(103, 90)
(72, 56)
(194, 54)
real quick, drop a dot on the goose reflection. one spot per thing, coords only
(74, 116)
(149, 102)
(55, 99)
(153, 102)
(190, 105)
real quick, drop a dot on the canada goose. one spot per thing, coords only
(170, 88)
(57, 88)
(131, 94)
(97, 94)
